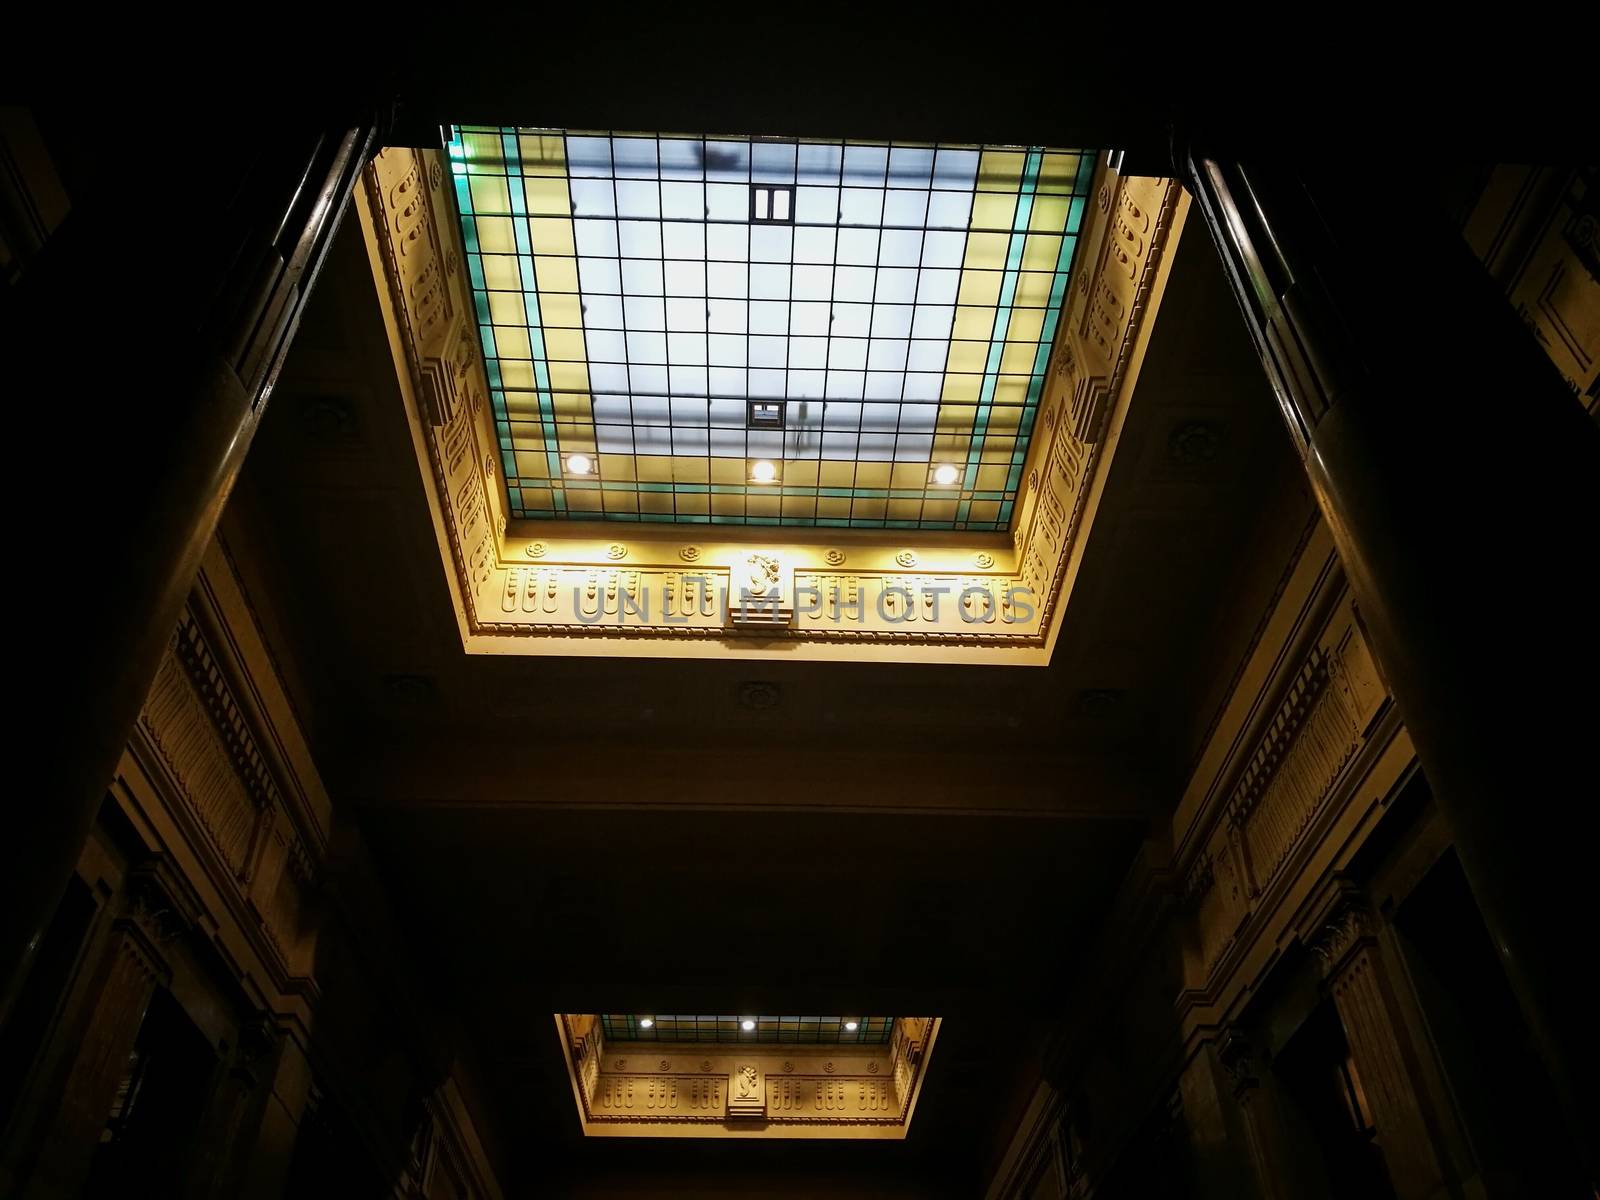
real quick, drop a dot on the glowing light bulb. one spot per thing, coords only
(850, 1026)
(646, 1022)
(763, 472)
(747, 1024)
(580, 464)
(945, 474)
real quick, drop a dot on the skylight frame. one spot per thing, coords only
(871, 486)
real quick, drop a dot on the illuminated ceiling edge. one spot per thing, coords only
(647, 1087)
(550, 589)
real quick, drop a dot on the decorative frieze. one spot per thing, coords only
(665, 1096)
(1311, 737)
(226, 790)
(1301, 751)
(197, 729)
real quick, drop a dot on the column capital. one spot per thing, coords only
(253, 1058)
(161, 899)
(1348, 930)
(1335, 921)
(1240, 1057)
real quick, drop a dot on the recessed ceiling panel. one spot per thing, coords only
(765, 331)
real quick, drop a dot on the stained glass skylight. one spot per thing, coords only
(761, 331)
(817, 1030)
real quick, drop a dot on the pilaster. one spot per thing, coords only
(1359, 979)
(156, 907)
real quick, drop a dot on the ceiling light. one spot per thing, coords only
(945, 474)
(646, 1022)
(850, 1026)
(763, 471)
(580, 464)
(747, 1024)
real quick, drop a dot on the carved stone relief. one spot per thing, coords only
(1280, 790)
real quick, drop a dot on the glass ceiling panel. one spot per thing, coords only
(871, 1031)
(765, 332)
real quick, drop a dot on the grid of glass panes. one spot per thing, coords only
(818, 1030)
(631, 305)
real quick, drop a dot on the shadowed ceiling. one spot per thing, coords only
(559, 834)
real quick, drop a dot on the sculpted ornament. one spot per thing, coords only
(1344, 931)
(747, 1081)
(763, 571)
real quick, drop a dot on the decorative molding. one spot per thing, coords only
(1301, 750)
(183, 727)
(747, 1099)
(229, 796)
(761, 594)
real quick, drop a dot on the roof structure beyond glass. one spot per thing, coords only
(675, 311)
(821, 1030)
